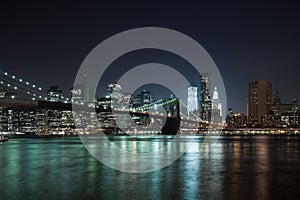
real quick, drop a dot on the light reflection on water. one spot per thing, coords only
(249, 167)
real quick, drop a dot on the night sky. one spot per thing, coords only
(46, 43)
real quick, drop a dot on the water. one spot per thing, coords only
(252, 167)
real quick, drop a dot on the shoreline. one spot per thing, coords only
(136, 136)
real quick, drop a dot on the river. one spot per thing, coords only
(239, 167)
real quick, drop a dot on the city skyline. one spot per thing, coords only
(11, 86)
(247, 42)
(149, 100)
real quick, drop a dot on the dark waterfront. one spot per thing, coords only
(249, 167)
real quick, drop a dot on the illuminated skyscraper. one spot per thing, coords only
(115, 91)
(54, 94)
(215, 99)
(192, 100)
(76, 94)
(216, 107)
(84, 88)
(79, 93)
(144, 98)
(205, 97)
(147, 97)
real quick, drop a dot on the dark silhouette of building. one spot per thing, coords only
(285, 114)
(259, 101)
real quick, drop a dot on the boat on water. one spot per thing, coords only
(3, 138)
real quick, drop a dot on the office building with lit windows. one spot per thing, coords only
(54, 94)
(205, 97)
(192, 100)
(259, 101)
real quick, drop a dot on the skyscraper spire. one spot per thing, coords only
(277, 100)
(215, 99)
(216, 94)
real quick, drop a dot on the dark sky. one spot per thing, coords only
(46, 42)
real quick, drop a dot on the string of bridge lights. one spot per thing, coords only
(157, 103)
(161, 103)
(18, 84)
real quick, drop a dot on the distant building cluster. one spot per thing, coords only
(35, 116)
(207, 107)
(263, 112)
(53, 112)
(55, 115)
(137, 104)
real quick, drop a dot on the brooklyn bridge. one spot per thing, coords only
(24, 107)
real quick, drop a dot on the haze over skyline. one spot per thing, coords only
(46, 43)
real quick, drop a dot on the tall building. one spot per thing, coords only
(259, 101)
(216, 105)
(80, 93)
(280, 108)
(144, 98)
(76, 94)
(84, 89)
(54, 94)
(205, 97)
(192, 100)
(215, 99)
(136, 101)
(285, 114)
(115, 91)
(114, 87)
